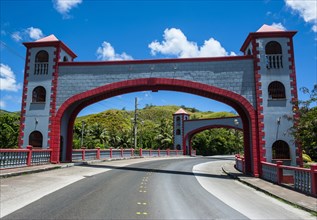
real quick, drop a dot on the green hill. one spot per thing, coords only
(114, 128)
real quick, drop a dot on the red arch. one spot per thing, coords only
(191, 134)
(236, 101)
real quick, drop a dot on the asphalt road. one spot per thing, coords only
(160, 189)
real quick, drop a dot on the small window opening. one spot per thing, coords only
(276, 90)
(36, 139)
(273, 55)
(39, 94)
(41, 63)
(178, 121)
(280, 150)
(178, 131)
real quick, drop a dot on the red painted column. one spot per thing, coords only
(132, 152)
(110, 152)
(98, 153)
(168, 152)
(140, 152)
(29, 156)
(158, 152)
(313, 174)
(279, 172)
(121, 152)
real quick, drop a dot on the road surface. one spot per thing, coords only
(188, 188)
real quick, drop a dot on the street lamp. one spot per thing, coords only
(236, 122)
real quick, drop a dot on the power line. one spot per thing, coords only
(12, 51)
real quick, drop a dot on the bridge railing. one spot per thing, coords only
(12, 158)
(159, 153)
(300, 179)
(84, 154)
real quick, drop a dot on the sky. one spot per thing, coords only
(124, 30)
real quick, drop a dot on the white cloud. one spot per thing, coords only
(7, 79)
(107, 52)
(64, 6)
(175, 43)
(30, 33)
(306, 9)
(34, 33)
(278, 26)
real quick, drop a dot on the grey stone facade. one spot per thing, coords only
(247, 76)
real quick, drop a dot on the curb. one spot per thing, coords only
(24, 172)
(268, 193)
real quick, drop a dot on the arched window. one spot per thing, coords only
(178, 131)
(65, 59)
(39, 94)
(41, 63)
(273, 52)
(280, 150)
(36, 139)
(178, 147)
(178, 121)
(276, 90)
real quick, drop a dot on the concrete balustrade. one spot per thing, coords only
(300, 179)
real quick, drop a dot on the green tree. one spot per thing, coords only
(9, 130)
(218, 141)
(305, 126)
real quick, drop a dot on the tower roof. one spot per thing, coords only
(47, 38)
(268, 28)
(181, 112)
(50, 41)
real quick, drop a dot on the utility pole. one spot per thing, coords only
(82, 133)
(135, 122)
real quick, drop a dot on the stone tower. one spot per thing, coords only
(39, 90)
(178, 121)
(275, 80)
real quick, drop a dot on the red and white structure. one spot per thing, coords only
(259, 85)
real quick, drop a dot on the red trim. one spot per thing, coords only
(242, 106)
(254, 35)
(259, 102)
(191, 134)
(205, 119)
(176, 60)
(59, 44)
(294, 97)
(24, 97)
(51, 134)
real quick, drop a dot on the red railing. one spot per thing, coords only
(301, 179)
(99, 154)
(11, 158)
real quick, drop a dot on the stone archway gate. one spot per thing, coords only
(70, 86)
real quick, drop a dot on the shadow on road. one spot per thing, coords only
(138, 169)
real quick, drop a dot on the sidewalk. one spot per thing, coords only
(303, 201)
(32, 169)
